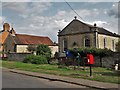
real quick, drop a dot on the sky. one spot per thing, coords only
(42, 18)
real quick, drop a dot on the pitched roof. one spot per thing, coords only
(76, 26)
(30, 39)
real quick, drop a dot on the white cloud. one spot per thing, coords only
(61, 23)
(15, 7)
(2, 19)
(99, 23)
(49, 26)
(16, 0)
(41, 25)
(35, 24)
(59, 0)
(68, 15)
(114, 11)
(26, 9)
(100, 0)
(110, 26)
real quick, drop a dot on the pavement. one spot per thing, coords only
(83, 82)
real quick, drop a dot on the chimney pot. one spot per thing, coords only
(95, 24)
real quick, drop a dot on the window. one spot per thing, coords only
(5, 47)
(87, 42)
(65, 44)
(14, 48)
(104, 42)
(113, 45)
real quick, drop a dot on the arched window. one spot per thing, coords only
(104, 42)
(65, 44)
(113, 45)
(87, 42)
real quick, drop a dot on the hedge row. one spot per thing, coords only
(36, 59)
(94, 51)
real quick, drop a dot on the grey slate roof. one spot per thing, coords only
(76, 26)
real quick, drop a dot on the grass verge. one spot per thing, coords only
(99, 74)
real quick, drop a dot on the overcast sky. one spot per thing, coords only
(46, 18)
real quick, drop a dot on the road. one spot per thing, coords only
(14, 80)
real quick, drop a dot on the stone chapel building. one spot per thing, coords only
(78, 34)
(4, 34)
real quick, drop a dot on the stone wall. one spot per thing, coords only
(108, 61)
(17, 56)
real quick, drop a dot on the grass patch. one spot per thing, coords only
(99, 74)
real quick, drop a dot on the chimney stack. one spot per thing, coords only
(6, 27)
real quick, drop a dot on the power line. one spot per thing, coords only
(73, 10)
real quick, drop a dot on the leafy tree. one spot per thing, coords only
(31, 48)
(118, 46)
(43, 50)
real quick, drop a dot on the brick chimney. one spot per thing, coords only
(6, 27)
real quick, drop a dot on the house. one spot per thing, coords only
(3, 34)
(19, 43)
(78, 34)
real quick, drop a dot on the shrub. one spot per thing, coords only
(43, 50)
(96, 52)
(118, 46)
(31, 48)
(28, 58)
(38, 59)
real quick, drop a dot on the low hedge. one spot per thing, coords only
(36, 59)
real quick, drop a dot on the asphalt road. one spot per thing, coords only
(13, 80)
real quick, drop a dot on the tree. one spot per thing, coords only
(31, 48)
(44, 50)
(118, 46)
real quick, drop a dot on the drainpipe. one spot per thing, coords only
(95, 36)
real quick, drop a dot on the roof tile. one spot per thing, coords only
(30, 39)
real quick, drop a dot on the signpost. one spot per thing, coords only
(90, 70)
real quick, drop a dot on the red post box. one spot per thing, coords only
(90, 58)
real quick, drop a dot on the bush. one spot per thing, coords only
(28, 58)
(94, 51)
(39, 59)
(43, 50)
(118, 46)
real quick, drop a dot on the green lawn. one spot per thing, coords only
(99, 74)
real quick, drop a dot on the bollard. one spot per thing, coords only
(116, 67)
